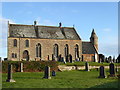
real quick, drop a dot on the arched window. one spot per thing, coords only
(26, 55)
(15, 43)
(76, 51)
(55, 50)
(27, 43)
(38, 50)
(66, 50)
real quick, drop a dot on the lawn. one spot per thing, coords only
(66, 79)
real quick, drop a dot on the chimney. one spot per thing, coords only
(35, 22)
(60, 24)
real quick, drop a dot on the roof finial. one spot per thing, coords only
(60, 24)
(35, 22)
(93, 31)
(73, 25)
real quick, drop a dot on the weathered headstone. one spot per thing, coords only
(9, 78)
(70, 57)
(48, 58)
(0, 59)
(112, 70)
(102, 72)
(53, 59)
(47, 73)
(21, 67)
(116, 69)
(87, 66)
(64, 60)
(53, 73)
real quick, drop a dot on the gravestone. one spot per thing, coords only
(112, 70)
(87, 66)
(64, 61)
(70, 57)
(53, 73)
(53, 58)
(0, 59)
(47, 73)
(116, 69)
(48, 58)
(102, 72)
(9, 77)
(21, 67)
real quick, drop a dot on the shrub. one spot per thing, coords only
(29, 66)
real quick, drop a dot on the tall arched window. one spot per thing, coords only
(38, 50)
(66, 50)
(55, 50)
(15, 43)
(76, 51)
(27, 43)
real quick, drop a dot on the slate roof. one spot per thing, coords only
(88, 48)
(45, 32)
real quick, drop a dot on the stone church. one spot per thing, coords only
(37, 42)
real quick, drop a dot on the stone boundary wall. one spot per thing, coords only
(68, 68)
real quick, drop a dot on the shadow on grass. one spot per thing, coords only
(115, 84)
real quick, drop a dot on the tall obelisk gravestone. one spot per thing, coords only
(47, 73)
(9, 78)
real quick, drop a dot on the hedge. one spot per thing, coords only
(29, 66)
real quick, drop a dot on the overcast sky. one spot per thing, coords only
(102, 16)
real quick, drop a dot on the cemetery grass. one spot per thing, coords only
(66, 79)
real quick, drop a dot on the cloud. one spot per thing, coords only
(74, 11)
(107, 29)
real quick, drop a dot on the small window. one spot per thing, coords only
(27, 43)
(15, 55)
(12, 55)
(15, 43)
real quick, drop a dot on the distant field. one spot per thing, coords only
(66, 79)
(83, 63)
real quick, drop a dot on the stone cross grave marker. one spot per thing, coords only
(87, 66)
(53, 73)
(9, 77)
(102, 72)
(112, 70)
(47, 73)
(21, 67)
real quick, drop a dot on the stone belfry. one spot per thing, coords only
(94, 39)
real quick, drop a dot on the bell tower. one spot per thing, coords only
(94, 39)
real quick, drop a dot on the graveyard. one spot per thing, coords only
(78, 78)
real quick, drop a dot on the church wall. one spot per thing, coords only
(90, 57)
(46, 47)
